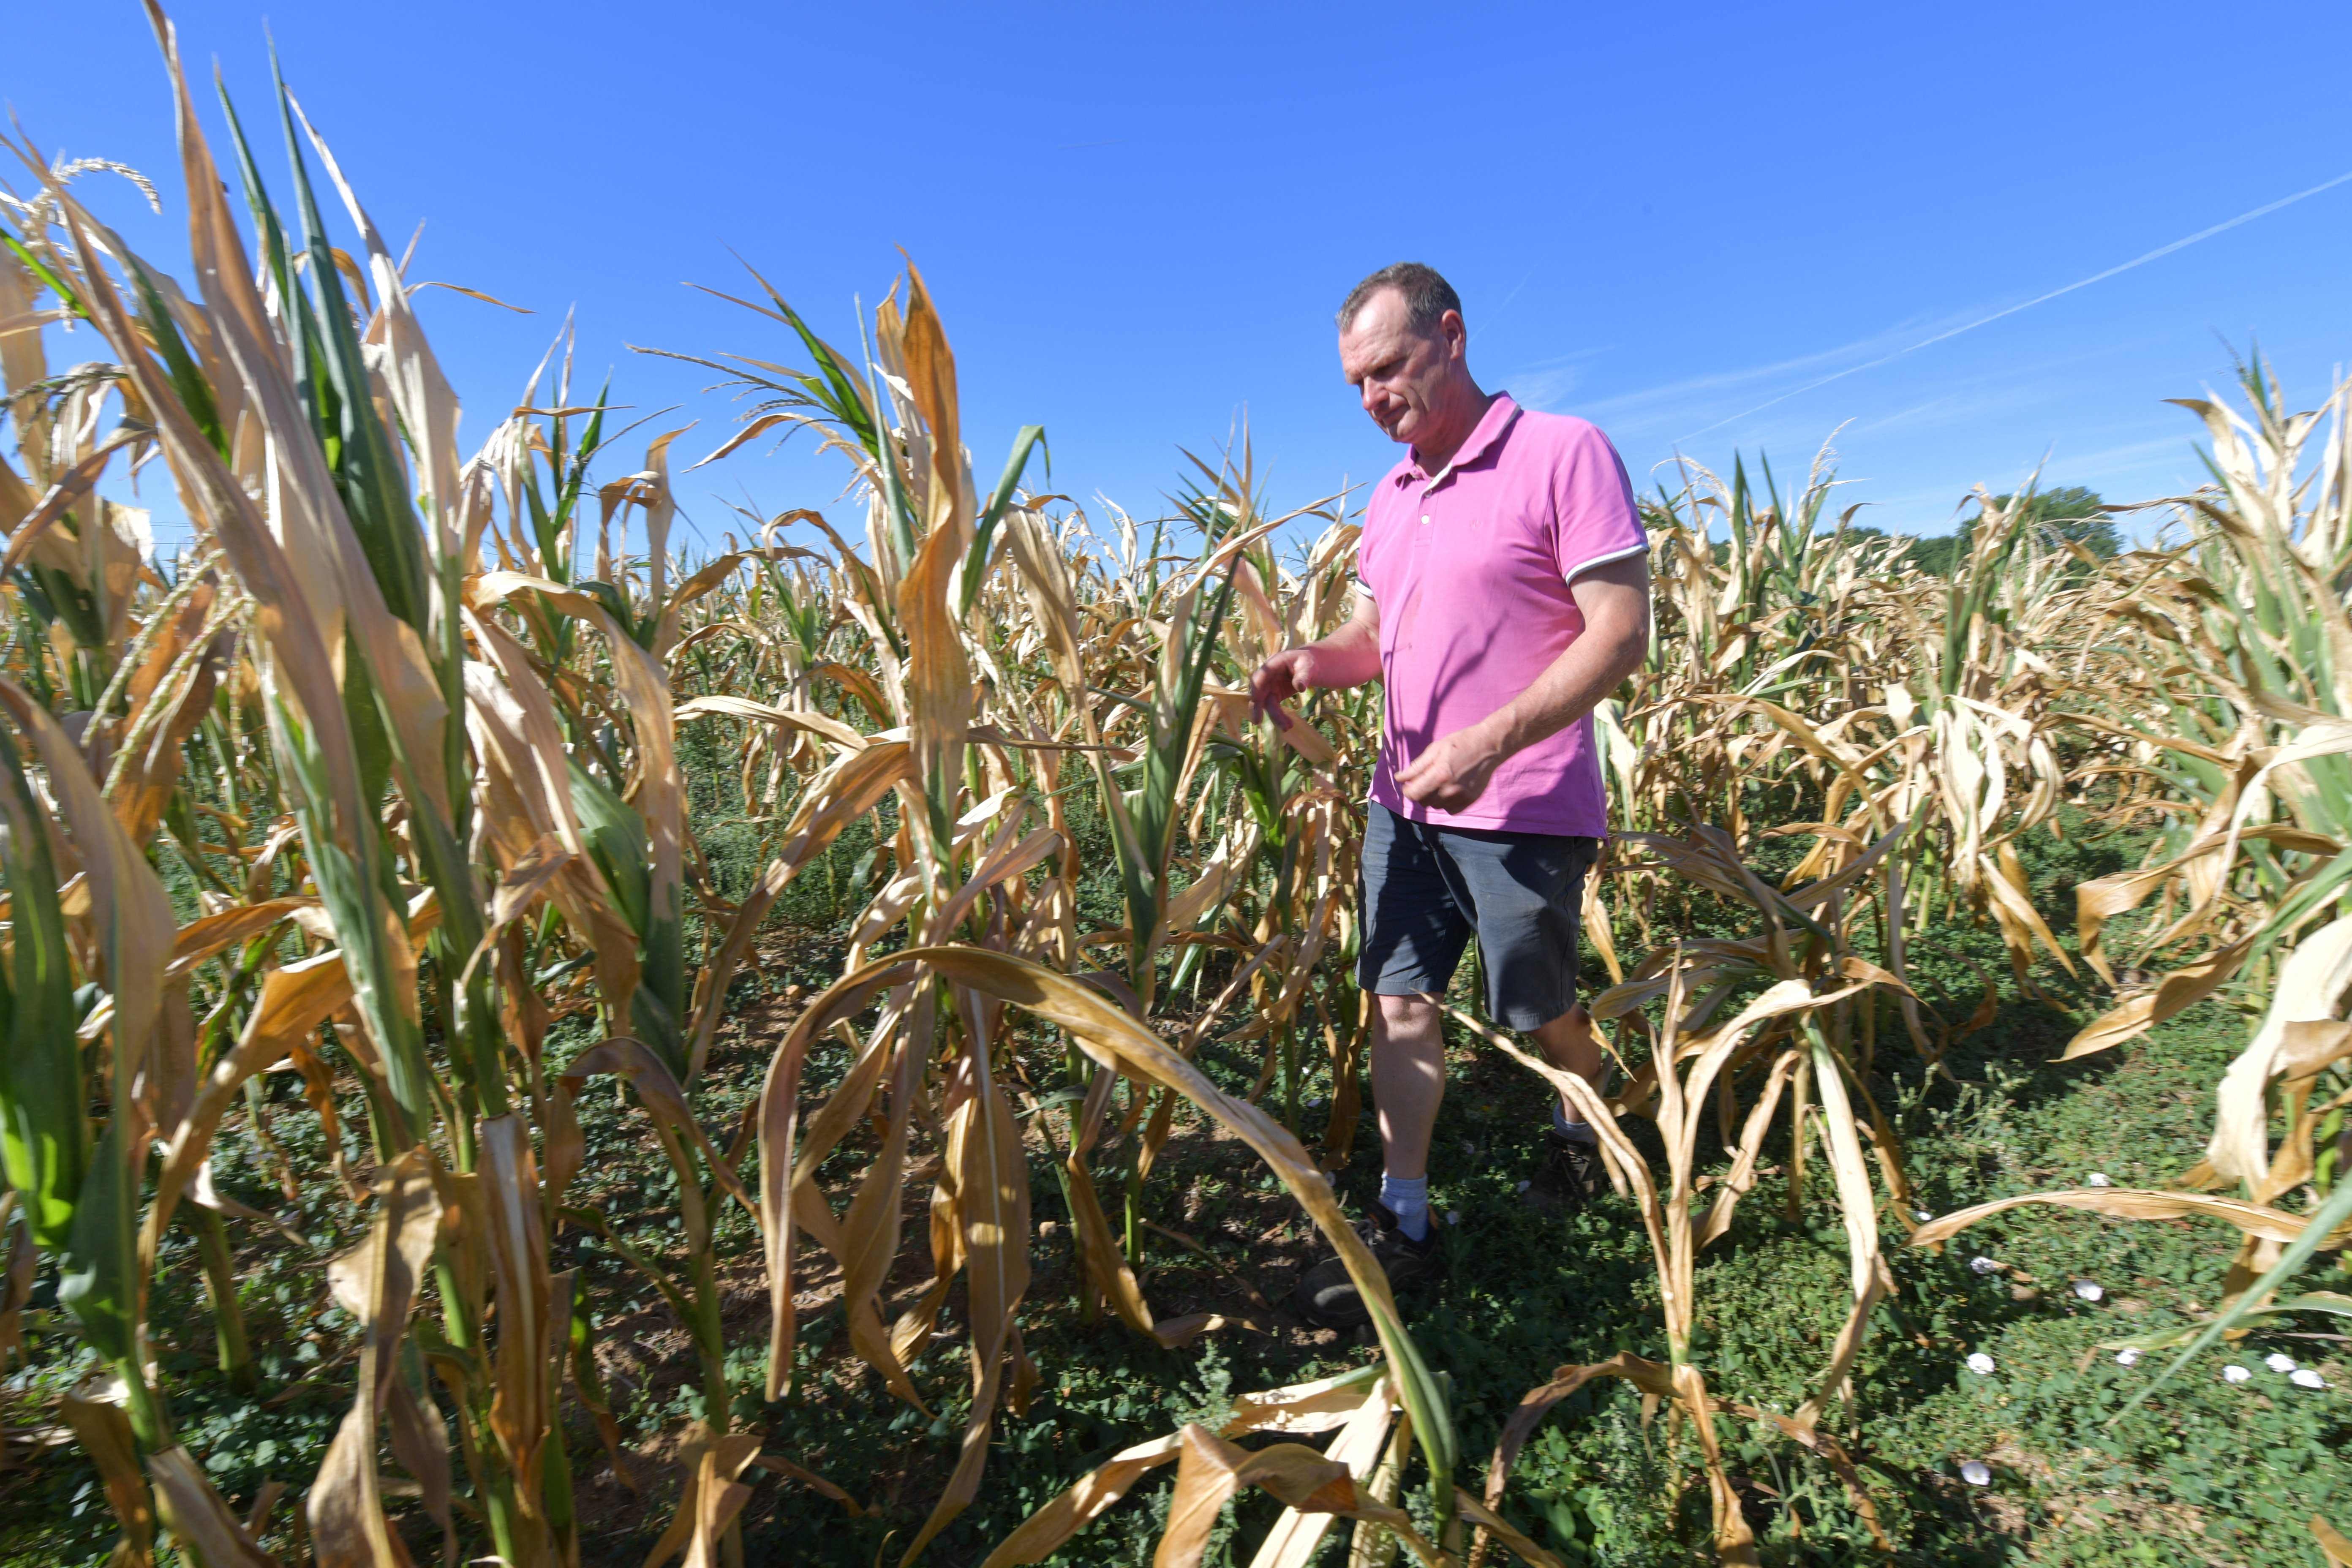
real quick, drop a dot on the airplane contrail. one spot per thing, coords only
(2162, 250)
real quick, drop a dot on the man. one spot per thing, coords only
(1503, 591)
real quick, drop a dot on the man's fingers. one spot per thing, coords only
(1424, 784)
(1261, 696)
(1261, 709)
(1270, 687)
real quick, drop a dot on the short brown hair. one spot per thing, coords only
(1427, 296)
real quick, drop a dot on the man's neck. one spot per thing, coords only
(1436, 452)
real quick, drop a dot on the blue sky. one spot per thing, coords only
(1137, 221)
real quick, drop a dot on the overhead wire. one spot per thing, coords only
(2141, 260)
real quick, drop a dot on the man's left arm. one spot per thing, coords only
(1614, 599)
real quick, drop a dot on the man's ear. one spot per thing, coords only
(1456, 335)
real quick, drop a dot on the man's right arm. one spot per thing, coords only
(1348, 657)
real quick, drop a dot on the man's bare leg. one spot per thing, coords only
(1572, 1170)
(1409, 1073)
(1408, 1081)
(1569, 1043)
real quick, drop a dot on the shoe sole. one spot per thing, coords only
(1306, 1311)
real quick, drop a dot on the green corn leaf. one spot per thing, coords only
(616, 605)
(42, 270)
(95, 1275)
(617, 844)
(840, 395)
(57, 597)
(368, 471)
(975, 562)
(661, 999)
(655, 1021)
(548, 531)
(256, 198)
(44, 1121)
(358, 907)
(2314, 896)
(187, 379)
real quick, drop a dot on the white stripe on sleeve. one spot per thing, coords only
(1582, 568)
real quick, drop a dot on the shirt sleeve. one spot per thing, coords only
(1595, 519)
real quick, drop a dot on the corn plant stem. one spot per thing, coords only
(1435, 1403)
(235, 1350)
(499, 1508)
(1076, 1072)
(555, 1483)
(709, 1331)
(1289, 1039)
(149, 1422)
(1187, 973)
(1800, 1103)
(493, 1482)
(710, 1341)
(82, 674)
(1131, 1180)
(1087, 1306)
(459, 1106)
(1286, 1043)
(1441, 1486)
(701, 1297)
(512, 1522)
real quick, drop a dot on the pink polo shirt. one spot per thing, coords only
(1471, 571)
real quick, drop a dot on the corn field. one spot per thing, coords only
(377, 790)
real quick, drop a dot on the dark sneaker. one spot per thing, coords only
(1569, 1175)
(1326, 1296)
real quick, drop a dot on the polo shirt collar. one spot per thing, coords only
(1483, 437)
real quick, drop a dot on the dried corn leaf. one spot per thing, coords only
(2255, 1220)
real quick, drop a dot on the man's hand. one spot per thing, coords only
(1275, 682)
(1454, 772)
(1348, 657)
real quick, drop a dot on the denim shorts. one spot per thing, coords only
(1427, 890)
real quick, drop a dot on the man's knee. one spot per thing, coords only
(1407, 1014)
(1573, 1024)
(1570, 1041)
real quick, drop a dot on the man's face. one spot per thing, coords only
(1400, 374)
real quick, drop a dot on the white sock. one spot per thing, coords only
(1408, 1201)
(1570, 1127)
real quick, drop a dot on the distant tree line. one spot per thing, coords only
(2070, 512)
